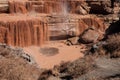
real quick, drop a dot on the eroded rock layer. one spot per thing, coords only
(64, 27)
(4, 6)
(65, 18)
(49, 6)
(16, 31)
(63, 6)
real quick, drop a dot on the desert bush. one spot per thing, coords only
(113, 45)
(70, 70)
(80, 67)
(116, 54)
(76, 68)
(110, 48)
(45, 75)
(113, 42)
(14, 67)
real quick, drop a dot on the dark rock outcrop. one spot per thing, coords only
(113, 28)
(104, 7)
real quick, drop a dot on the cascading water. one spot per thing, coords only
(62, 23)
(65, 25)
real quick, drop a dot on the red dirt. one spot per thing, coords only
(66, 53)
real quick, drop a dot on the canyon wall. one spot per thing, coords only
(16, 31)
(58, 6)
(63, 7)
(75, 27)
(17, 7)
(48, 6)
(94, 22)
(32, 30)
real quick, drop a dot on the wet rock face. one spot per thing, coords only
(17, 7)
(22, 32)
(46, 6)
(72, 6)
(3, 33)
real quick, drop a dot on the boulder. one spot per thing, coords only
(89, 36)
(72, 41)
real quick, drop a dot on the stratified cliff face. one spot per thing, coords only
(48, 6)
(65, 17)
(93, 22)
(17, 31)
(62, 28)
(4, 6)
(60, 6)
(17, 7)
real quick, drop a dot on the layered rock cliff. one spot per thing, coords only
(4, 7)
(17, 7)
(17, 31)
(95, 23)
(72, 6)
(65, 17)
(48, 6)
(69, 26)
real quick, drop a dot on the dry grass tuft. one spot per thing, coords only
(113, 45)
(13, 67)
(113, 42)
